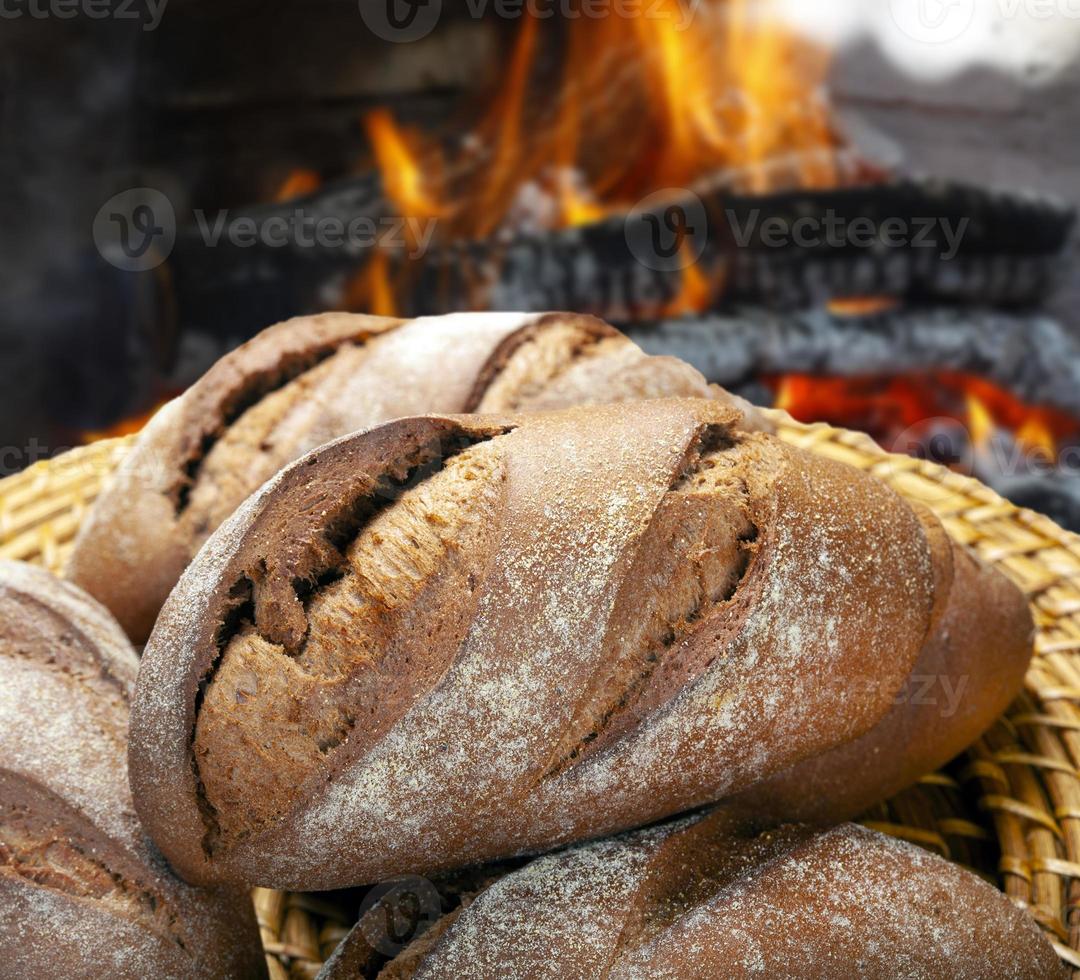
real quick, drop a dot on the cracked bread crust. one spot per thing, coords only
(82, 891)
(309, 380)
(659, 610)
(711, 897)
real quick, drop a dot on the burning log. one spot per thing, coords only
(963, 244)
(1031, 355)
(990, 394)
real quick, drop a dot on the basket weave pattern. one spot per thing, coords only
(1009, 809)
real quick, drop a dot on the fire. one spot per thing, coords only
(855, 306)
(372, 288)
(298, 183)
(696, 292)
(681, 94)
(124, 427)
(1035, 436)
(396, 155)
(889, 407)
(980, 421)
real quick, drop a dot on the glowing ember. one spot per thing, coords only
(125, 427)
(299, 183)
(889, 408)
(856, 306)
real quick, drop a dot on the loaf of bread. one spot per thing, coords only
(307, 381)
(83, 894)
(705, 898)
(968, 672)
(446, 640)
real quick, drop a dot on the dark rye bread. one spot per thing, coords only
(82, 892)
(309, 380)
(446, 640)
(707, 898)
(969, 671)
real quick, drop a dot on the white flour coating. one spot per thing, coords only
(71, 753)
(559, 916)
(68, 734)
(511, 711)
(842, 903)
(794, 635)
(52, 732)
(423, 366)
(70, 602)
(461, 775)
(854, 902)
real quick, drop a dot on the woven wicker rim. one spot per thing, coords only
(1009, 809)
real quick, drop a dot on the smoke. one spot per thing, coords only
(938, 39)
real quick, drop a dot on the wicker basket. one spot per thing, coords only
(1009, 809)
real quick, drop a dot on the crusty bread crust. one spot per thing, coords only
(819, 595)
(310, 380)
(705, 898)
(82, 891)
(968, 673)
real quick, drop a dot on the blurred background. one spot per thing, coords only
(861, 211)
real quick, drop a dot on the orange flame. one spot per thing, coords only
(1036, 436)
(888, 406)
(682, 94)
(372, 289)
(675, 96)
(125, 426)
(855, 306)
(396, 154)
(696, 291)
(298, 183)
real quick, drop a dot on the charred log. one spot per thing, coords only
(1032, 356)
(916, 241)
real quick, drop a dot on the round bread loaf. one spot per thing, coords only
(309, 380)
(705, 898)
(83, 894)
(446, 640)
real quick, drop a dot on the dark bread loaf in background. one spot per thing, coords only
(306, 381)
(447, 640)
(82, 892)
(708, 897)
